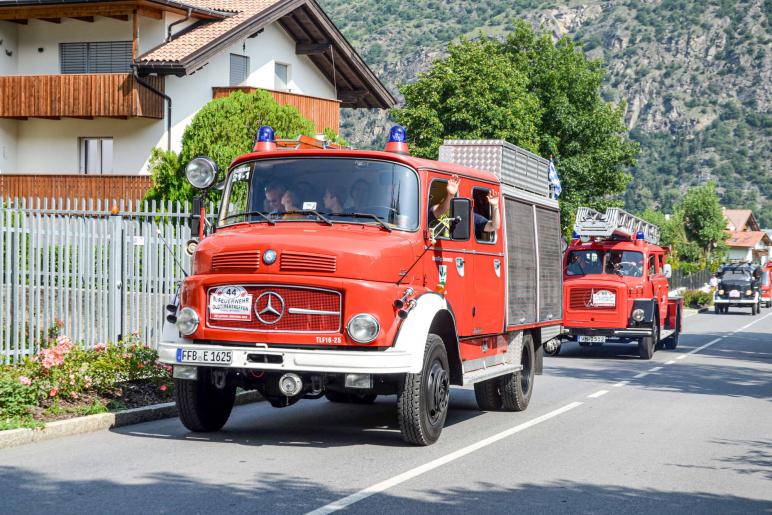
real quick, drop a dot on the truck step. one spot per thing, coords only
(482, 374)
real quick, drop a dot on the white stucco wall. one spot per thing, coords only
(8, 35)
(134, 139)
(740, 254)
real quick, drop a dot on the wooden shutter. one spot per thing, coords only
(239, 69)
(95, 57)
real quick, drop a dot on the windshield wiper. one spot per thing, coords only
(251, 213)
(308, 212)
(364, 215)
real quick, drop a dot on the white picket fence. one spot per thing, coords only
(100, 268)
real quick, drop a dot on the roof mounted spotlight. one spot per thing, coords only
(265, 141)
(398, 141)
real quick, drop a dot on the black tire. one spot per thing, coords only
(516, 388)
(717, 309)
(350, 398)
(672, 341)
(202, 406)
(647, 344)
(487, 395)
(754, 309)
(422, 404)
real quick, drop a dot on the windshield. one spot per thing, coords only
(735, 275)
(624, 262)
(326, 189)
(619, 262)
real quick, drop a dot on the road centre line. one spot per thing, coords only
(655, 369)
(620, 384)
(670, 362)
(642, 374)
(597, 394)
(444, 460)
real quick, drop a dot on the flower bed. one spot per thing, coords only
(64, 381)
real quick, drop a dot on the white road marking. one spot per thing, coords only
(444, 460)
(682, 356)
(620, 384)
(139, 433)
(597, 394)
(655, 369)
(670, 362)
(698, 349)
(642, 374)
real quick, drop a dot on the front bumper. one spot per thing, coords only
(627, 332)
(389, 361)
(736, 301)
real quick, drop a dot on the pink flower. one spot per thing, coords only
(53, 392)
(99, 347)
(26, 381)
(163, 388)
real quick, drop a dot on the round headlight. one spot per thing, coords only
(749, 292)
(363, 328)
(720, 292)
(638, 315)
(187, 321)
(201, 172)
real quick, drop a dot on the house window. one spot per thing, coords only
(281, 77)
(239, 69)
(96, 155)
(97, 57)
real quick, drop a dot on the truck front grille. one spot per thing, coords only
(581, 299)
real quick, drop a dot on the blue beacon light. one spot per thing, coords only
(397, 140)
(265, 139)
(640, 235)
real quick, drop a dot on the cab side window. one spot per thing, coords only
(437, 193)
(482, 214)
(652, 264)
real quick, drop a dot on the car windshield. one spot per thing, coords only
(327, 189)
(584, 262)
(735, 275)
(624, 262)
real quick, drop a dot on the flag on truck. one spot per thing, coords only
(552, 174)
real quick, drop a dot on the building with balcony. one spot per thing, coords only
(88, 88)
(747, 243)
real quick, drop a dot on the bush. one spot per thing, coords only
(698, 298)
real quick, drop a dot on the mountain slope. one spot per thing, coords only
(695, 76)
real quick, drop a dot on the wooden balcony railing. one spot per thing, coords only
(111, 187)
(115, 95)
(324, 112)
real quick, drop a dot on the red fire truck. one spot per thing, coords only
(766, 286)
(336, 273)
(615, 284)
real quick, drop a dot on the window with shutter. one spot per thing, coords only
(281, 77)
(96, 155)
(95, 57)
(239, 69)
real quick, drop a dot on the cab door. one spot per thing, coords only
(448, 267)
(487, 301)
(656, 272)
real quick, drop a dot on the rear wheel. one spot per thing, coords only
(202, 406)
(422, 404)
(487, 395)
(516, 388)
(672, 342)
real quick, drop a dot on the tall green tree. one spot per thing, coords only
(704, 221)
(538, 94)
(223, 129)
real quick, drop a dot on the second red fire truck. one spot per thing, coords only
(615, 285)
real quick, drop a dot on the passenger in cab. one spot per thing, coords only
(481, 223)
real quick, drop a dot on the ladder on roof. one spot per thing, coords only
(614, 222)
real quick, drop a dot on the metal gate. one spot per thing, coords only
(100, 269)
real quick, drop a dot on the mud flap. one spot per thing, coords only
(538, 352)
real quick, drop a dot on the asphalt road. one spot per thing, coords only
(689, 431)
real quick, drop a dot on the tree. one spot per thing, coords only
(537, 94)
(223, 129)
(704, 221)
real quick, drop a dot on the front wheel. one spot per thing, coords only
(754, 309)
(647, 344)
(203, 407)
(422, 404)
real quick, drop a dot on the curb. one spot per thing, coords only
(101, 422)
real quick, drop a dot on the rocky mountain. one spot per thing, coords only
(695, 76)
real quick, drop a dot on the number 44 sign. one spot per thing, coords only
(230, 303)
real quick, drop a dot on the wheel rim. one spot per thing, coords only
(438, 389)
(525, 375)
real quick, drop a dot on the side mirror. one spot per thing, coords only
(460, 214)
(668, 270)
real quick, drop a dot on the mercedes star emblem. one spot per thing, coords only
(269, 307)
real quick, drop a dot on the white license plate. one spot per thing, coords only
(591, 339)
(734, 294)
(217, 357)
